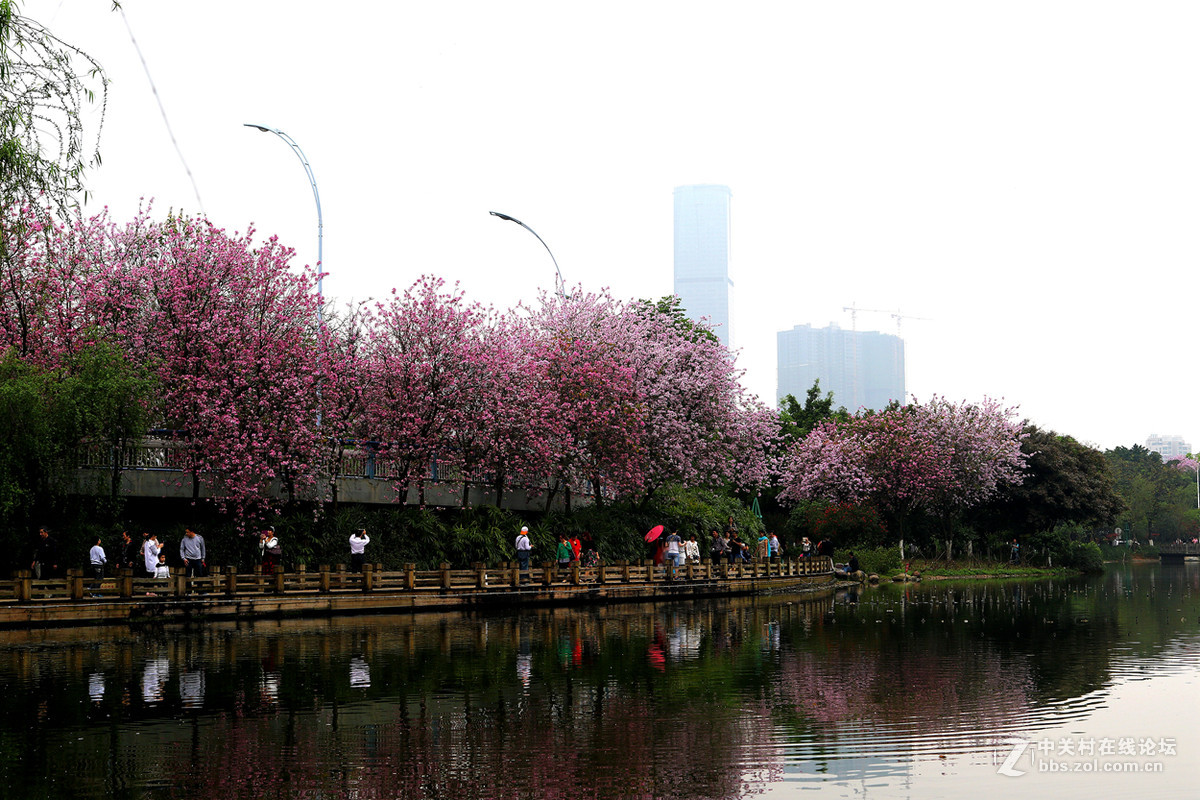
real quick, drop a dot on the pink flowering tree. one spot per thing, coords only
(426, 348)
(232, 331)
(701, 426)
(580, 347)
(510, 425)
(937, 458)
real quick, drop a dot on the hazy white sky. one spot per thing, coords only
(1023, 175)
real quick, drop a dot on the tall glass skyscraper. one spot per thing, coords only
(702, 255)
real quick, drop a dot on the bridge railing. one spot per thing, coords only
(171, 456)
(227, 581)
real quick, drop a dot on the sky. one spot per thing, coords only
(1020, 179)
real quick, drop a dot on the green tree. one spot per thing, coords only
(47, 143)
(1159, 498)
(1065, 482)
(49, 417)
(797, 420)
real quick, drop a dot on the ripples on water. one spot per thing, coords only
(848, 694)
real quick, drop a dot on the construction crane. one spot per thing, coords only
(853, 309)
(896, 315)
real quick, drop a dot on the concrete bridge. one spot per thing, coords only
(152, 468)
(1178, 553)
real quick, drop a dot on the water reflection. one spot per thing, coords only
(708, 699)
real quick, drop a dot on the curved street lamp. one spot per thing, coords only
(316, 196)
(559, 284)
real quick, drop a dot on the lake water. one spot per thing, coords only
(943, 689)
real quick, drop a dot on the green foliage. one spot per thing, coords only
(97, 399)
(796, 421)
(1160, 499)
(672, 308)
(45, 86)
(1065, 482)
(1083, 556)
(844, 524)
(878, 560)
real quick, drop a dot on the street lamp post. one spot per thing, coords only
(562, 293)
(317, 197)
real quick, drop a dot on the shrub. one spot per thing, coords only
(880, 560)
(1083, 556)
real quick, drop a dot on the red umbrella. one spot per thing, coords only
(654, 533)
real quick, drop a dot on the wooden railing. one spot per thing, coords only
(81, 587)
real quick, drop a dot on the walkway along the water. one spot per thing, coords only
(227, 594)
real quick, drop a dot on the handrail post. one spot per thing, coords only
(410, 576)
(23, 586)
(323, 587)
(624, 565)
(75, 584)
(125, 581)
(279, 585)
(445, 567)
(231, 576)
(368, 576)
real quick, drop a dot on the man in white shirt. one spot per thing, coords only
(98, 560)
(523, 546)
(358, 546)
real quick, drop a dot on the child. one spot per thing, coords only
(162, 570)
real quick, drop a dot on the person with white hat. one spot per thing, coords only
(523, 546)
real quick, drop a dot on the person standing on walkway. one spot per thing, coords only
(150, 551)
(358, 548)
(98, 560)
(523, 547)
(45, 555)
(269, 550)
(131, 553)
(193, 553)
(565, 553)
(716, 547)
(673, 545)
(691, 550)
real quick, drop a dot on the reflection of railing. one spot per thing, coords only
(408, 582)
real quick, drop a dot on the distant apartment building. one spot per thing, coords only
(863, 369)
(1168, 446)
(702, 256)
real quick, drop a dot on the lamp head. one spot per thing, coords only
(504, 216)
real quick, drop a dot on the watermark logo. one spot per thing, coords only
(1085, 754)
